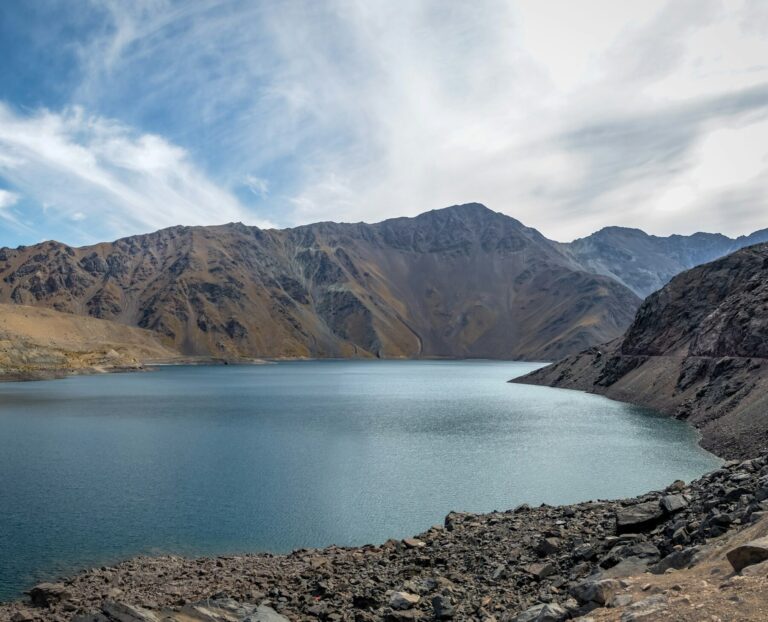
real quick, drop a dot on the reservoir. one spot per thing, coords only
(207, 460)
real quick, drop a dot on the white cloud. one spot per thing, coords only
(257, 185)
(7, 200)
(567, 115)
(83, 166)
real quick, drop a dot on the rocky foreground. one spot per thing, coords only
(538, 564)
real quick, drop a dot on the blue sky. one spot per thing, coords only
(128, 116)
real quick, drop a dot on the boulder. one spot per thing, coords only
(640, 517)
(598, 591)
(548, 546)
(540, 570)
(47, 594)
(621, 552)
(674, 503)
(677, 560)
(545, 612)
(748, 554)
(122, 612)
(413, 543)
(403, 600)
(266, 614)
(442, 607)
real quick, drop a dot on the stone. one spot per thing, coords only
(619, 600)
(442, 607)
(748, 554)
(674, 503)
(677, 560)
(756, 570)
(640, 517)
(413, 543)
(265, 614)
(540, 570)
(403, 600)
(23, 615)
(47, 594)
(548, 546)
(545, 612)
(121, 612)
(595, 591)
(677, 486)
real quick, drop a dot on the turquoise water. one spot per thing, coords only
(213, 460)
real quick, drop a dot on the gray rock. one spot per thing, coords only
(442, 607)
(403, 600)
(748, 554)
(674, 503)
(595, 591)
(266, 614)
(640, 517)
(677, 560)
(545, 612)
(548, 546)
(540, 570)
(121, 612)
(756, 570)
(47, 594)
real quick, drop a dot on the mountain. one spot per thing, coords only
(697, 349)
(39, 343)
(458, 282)
(645, 263)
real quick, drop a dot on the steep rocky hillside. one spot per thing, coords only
(697, 349)
(645, 263)
(459, 282)
(40, 343)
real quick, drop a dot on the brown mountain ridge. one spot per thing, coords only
(463, 281)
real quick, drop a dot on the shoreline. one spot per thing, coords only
(269, 563)
(511, 557)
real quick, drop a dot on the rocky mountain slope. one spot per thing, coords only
(645, 263)
(459, 282)
(697, 349)
(41, 343)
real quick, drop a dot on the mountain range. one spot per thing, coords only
(463, 281)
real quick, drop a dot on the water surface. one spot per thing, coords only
(213, 460)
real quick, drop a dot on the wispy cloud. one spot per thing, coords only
(7, 200)
(84, 168)
(567, 115)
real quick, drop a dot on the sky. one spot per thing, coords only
(123, 117)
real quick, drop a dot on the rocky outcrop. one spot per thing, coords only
(543, 563)
(40, 343)
(697, 350)
(459, 282)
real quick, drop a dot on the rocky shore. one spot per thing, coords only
(527, 564)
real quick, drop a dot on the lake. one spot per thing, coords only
(215, 460)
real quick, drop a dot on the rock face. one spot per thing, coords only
(459, 282)
(41, 343)
(645, 263)
(697, 350)
(474, 567)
